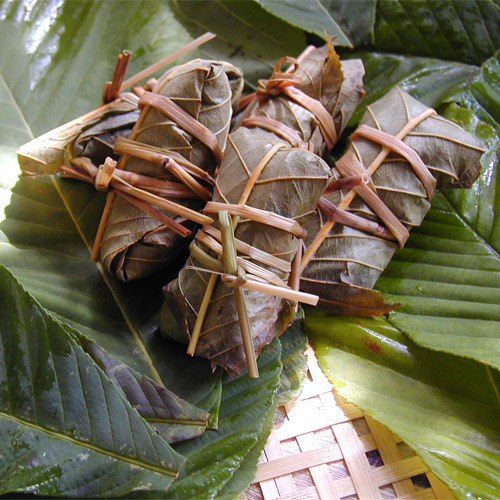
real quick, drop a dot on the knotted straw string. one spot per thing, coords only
(238, 278)
(122, 182)
(133, 148)
(144, 199)
(344, 204)
(284, 83)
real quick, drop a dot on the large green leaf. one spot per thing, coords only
(246, 411)
(464, 30)
(311, 16)
(357, 19)
(478, 110)
(65, 427)
(50, 223)
(447, 279)
(445, 407)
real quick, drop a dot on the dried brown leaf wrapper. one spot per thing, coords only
(135, 245)
(289, 185)
(337, 85)
(297, 176)
(349, 261)
(89, 135)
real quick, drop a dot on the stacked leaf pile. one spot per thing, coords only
(92, 395)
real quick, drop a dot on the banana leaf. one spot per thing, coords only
(134, 244)
(349, 261)
(289, 185)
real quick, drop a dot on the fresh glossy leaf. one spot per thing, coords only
(245, 473)
(246, 34)
(62, 419)
(445, 407)
(247, 406)
(357, 19)
(311, 16)
(477, 109)
(172, 417)
(447, 279)
(465, 31)
(294, 360)
(53, 78)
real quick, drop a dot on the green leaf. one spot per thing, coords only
(173, 418)
(447, 278)
(246, 34)
(61, 418)
(477, 109)
(465, 31)
(243, 477)
(445, 407)
(246, 409)
(294, 359)
(311, 16)
(357, 19)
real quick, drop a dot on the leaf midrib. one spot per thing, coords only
(90, 446)
(135, 334)
(495, 388)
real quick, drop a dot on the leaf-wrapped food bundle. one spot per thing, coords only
(96, 142)
(288, 182)
(350, 259)
(336, 86)
(135, 244)
(80, 137)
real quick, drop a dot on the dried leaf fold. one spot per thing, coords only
(349, 260)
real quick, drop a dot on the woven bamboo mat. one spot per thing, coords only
(324, 448)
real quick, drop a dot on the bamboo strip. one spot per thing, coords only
(299, 461)
(440, 489)
(337, 415)
(284, 484)
(320, 474)
(356, 461)
(389, 453)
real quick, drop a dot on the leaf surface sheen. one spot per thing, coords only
(445, 407)
(311, 16)
(50, 223)
(448, 276)
(59, 413)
